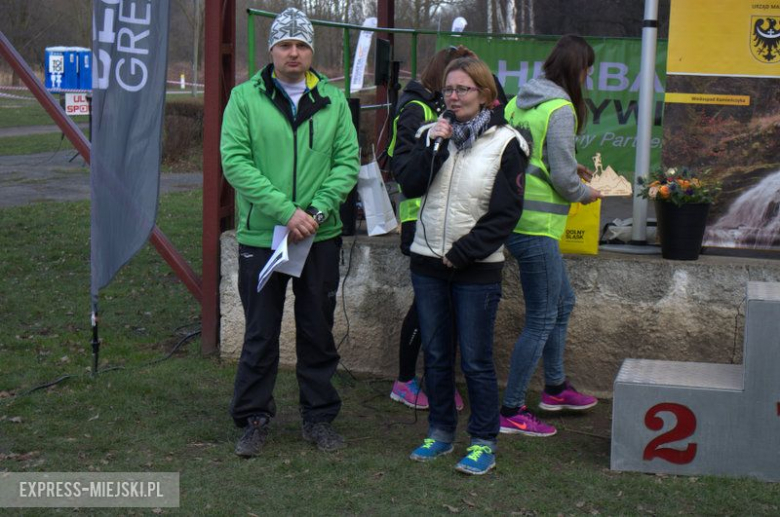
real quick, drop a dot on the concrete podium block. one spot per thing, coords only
(702, 418)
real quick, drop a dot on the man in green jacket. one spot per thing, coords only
(290, 151)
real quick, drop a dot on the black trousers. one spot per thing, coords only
(317, 358)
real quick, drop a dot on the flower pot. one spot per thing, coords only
(681, 229)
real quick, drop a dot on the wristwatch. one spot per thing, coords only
(316, 214)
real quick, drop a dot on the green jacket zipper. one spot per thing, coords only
(249, 215)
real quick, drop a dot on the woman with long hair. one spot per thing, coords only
(552, 108)
(470, 173)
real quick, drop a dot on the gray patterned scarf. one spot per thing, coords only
(465, 133)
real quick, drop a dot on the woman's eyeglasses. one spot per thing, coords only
(461, 91)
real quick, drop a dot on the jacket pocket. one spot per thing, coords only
(249, 216)
(311, 134)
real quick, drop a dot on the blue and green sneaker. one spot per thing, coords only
(430, 449)
(478, 461)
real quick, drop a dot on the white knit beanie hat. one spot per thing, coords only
(291, 24)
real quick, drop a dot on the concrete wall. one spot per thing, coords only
(627, 306)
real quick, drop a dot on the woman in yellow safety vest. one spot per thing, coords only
(552, 108)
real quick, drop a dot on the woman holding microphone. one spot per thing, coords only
(469, 169)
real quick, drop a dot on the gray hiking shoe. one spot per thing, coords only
(323, 436)
(253, 439)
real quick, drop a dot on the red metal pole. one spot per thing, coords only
(218, 208)
(82, 145)
(180, 266)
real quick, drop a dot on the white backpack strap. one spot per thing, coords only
(422, 129)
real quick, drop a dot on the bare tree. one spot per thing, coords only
(511, 15)
(506, 15)
(500, 17)
(78, 14)
(526, 13)
(194, 11)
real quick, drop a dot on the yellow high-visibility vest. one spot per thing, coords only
(544, 210)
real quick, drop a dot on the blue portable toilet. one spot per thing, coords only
(62, 66)
(85, 68)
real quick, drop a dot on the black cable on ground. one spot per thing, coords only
(105, 370)
(59, 148)
(345, 338)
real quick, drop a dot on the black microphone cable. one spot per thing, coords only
(450, 116)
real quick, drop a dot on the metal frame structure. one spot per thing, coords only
(218, 195)
(161, 243)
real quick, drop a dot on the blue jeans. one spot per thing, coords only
(549, 300)
(453, 313)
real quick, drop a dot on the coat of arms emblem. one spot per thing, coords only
(765, 38)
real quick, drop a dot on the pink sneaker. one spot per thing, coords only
(525, 423)
(409, 394)
(459, 405)
(569, 398)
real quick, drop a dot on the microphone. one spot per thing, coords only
(450, 116)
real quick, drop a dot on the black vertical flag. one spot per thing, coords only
(130, 55)
(130, 49)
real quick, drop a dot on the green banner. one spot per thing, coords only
(612, 91)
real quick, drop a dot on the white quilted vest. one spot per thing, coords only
(460, 193)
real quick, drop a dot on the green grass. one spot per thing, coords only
(173, 416)
(27, 113)
(32, 144)
(19, 113)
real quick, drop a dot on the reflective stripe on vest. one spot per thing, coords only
(544, 210)
(409, 208)
(428, 116)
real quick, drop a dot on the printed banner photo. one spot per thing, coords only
(612, 92)
(130, 48)
(722, 111)
(734, 38)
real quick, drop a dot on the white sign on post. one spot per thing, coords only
(76, 104)
(361, 55)
(459, 24)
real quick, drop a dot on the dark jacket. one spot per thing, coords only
(411, 117)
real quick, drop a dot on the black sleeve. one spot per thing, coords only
(504, 210)
(412, 117)
(414, 173)
(500, 90)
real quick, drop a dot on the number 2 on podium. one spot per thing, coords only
(685, 427)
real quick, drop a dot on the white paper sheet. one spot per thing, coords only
(288, 258)
(296, 253)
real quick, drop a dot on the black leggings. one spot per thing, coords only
(409, 348)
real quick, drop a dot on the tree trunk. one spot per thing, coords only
(195, 45)
(522, 16)
(500, 17)
(511, 15)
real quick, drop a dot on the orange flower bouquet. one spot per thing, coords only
(680, 186)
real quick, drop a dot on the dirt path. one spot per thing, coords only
(36, 178)
(35, 130)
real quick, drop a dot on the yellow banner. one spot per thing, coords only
(724, 38)
(707, 98)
